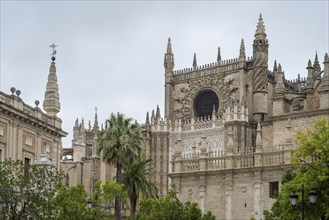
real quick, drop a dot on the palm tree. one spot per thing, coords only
(119, 144)
(138, 179)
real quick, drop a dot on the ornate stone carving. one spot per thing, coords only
(224, 87)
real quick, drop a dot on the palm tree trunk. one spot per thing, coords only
(118, 198)
(133, 204)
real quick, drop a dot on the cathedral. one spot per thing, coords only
(228, 127)
(224, 140)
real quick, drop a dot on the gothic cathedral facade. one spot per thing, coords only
(229, 126)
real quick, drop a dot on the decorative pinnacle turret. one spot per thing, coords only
(219, 58)
(242, 55)
(326, 58)
(194, 61)
(157, 114)
(309, 64)
(260, 27)
(96, 127)
(325, 77)
(316, 64)
(169, 46)
(275, 68)
(279, 68)
(51, 102)
(147, 118)
(169, 57)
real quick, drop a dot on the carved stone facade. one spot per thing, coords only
(228, 128)
(80, 163)
(27, 133)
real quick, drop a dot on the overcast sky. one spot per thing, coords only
(110, 53)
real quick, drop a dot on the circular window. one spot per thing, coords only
(205, 102)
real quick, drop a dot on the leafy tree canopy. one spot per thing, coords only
(26, 190)
(170, 208)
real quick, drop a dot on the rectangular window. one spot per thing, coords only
(274, 189)
(27, 162)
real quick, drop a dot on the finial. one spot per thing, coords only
(260, 26)
(54, 51)
(309, 64)
(219, 58)
(36, 103)
(242, 50)
(326, 58)
(316, 64)
(158, 116)
(96, 120)
(194, 61)
(279, 68)
(13, 90)
(147, 118)
(18, 92)
(275, 68)
(169, 50)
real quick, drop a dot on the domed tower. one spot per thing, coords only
(260, 75)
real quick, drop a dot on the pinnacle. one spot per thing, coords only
(194, 60)
(242, 50)
(316, 64)
(260, 26)
(169, 50)
(326, 58)
(279, 68)
(309, 64)
(275, 68)
(219, 58)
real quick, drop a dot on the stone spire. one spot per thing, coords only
(77, 123)
(194, 62)
(51, 102)
(324, 91)
(316, 64)
(157, 114)
(169, 88)
(219, 58)
(325, 78)
(242, 56)
(96, 127)
(169, 57)
(310, 79)
(260, 73)
(275, 68)
(260, 31)
(147, 118)
(279, 86)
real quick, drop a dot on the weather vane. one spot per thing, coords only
(54, 51)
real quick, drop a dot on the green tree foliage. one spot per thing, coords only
(170, 208)
(311, 158)
(119, 144)
(138, 180)
(26, 190)
(71, 203)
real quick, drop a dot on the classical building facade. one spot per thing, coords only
(27, 133)
(228, 128)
